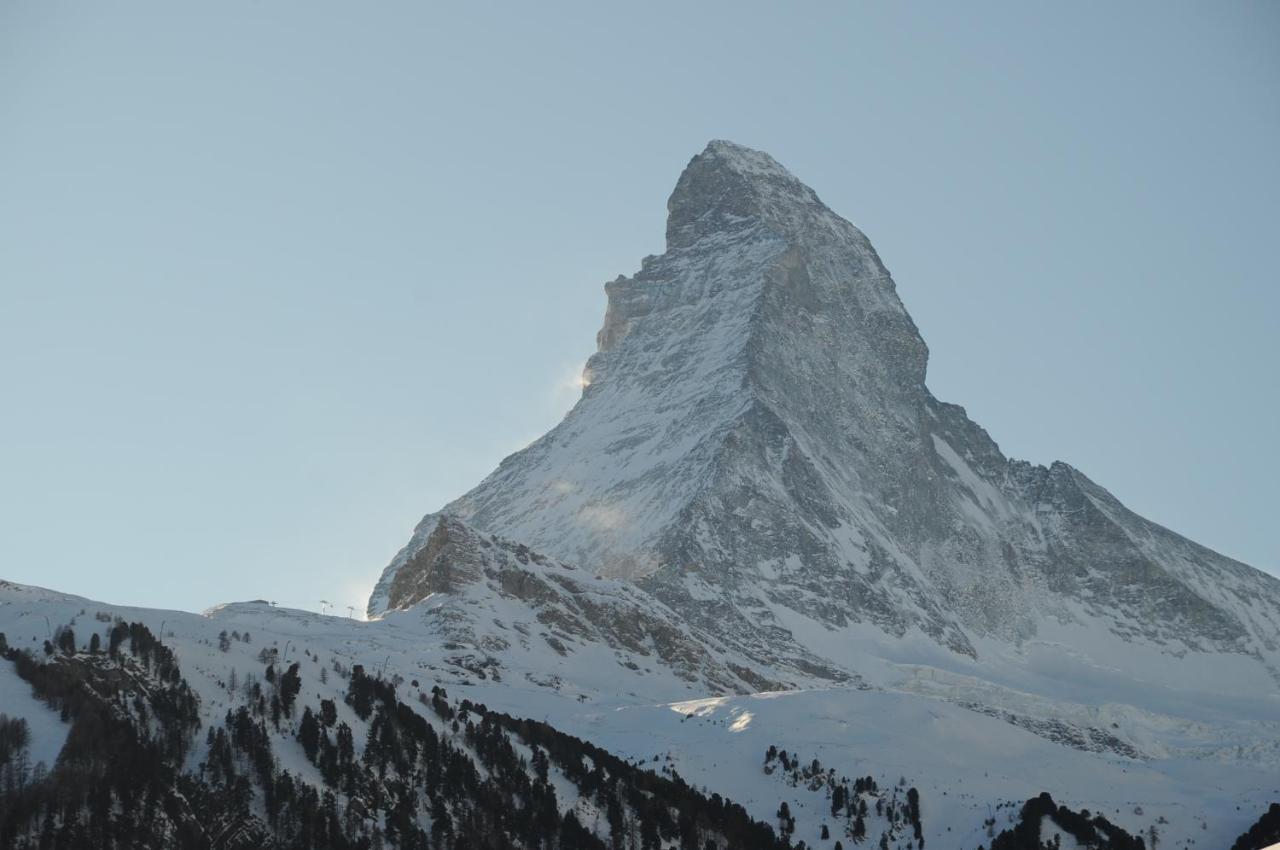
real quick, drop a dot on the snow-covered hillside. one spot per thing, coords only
(255, 727)
(1198, 788)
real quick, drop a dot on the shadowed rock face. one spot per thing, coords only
(757, 438)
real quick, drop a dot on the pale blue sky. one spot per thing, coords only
(277, 278)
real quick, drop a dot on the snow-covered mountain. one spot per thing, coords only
(757, 449)
(759, 587)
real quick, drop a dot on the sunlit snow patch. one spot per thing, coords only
(698, 707)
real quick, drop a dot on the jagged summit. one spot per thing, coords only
(764, 299)
(756, 447)
(729, 187)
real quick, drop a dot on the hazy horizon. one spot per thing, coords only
(276, 280)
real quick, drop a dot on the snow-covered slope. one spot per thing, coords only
(1190, 782)
(756, 447)
(255, 727)
(502, 609)
(966, 766)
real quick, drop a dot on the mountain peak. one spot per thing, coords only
(730, 187)
(740, 158)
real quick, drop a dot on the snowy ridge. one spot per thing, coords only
(502, 609)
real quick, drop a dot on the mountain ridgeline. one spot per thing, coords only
(756, 449)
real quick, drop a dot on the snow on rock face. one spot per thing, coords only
(494, 602)
(756, 448)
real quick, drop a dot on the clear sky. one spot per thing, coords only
(277, 278)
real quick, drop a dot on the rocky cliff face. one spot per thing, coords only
(757, 449)
(502, 610)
